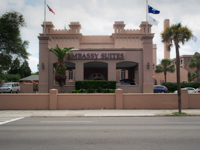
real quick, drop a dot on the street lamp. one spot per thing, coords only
(148, 65)
(42, 66)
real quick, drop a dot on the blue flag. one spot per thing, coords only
(152, 10)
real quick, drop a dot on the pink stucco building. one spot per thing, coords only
(125, 54)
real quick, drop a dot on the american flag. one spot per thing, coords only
(51, 10)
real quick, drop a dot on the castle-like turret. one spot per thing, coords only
(166, 51)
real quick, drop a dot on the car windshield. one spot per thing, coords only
(6, 85)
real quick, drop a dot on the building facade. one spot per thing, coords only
(125, 54)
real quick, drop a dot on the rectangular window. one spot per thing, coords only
(123, 74)
(70, 74)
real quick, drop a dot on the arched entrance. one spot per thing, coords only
(96, 76)
(127, 70)
(95, 71)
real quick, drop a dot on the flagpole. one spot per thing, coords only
(146, 17)
(44, 17)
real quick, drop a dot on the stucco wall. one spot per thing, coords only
(150, 101)
(118, 100)
(24, 101)
(26, 88)
(194, 101)
(86, 101)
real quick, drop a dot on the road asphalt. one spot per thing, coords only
(94, 113)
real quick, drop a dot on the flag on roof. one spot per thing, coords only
(153, 21)
(50, 9)
(152, 10)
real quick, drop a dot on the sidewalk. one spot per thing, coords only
(93, 113)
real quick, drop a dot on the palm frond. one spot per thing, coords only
(61, 53)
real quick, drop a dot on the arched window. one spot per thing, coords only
(123, 74)
(70, 75)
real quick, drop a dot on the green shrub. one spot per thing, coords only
(90, 90)
(107, 91)
(82, 91)
(99, 90)
(173, 86)
(75, 91)
(12, 77)
(95, 84)
(111, 90)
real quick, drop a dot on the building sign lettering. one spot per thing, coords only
(97, 56)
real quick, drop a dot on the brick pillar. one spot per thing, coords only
(184, 98)
(44, 44)
(53, 99)
(147, 66)
(79, 68)
(119, 99)
(112, 71)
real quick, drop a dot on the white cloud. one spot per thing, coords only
(33, 61)
(97, 18)
(16, 5)
(93, 5)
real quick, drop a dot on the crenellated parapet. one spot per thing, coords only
(74, 28)
(121, 38)
(119, 28)
(143, 27)
(131, 31)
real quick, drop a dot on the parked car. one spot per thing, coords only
(10, 87)
(160, 89)
(130, 81)
(190, 90)
(197, 90)
(123, 83)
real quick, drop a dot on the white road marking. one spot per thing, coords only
(121, 115)
(11, 120)
(65, 121)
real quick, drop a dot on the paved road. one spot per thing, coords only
(101, 133)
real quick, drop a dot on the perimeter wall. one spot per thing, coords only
(117, 100)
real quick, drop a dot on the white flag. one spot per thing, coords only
(153, 21)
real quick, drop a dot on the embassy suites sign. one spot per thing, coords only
(95, 56)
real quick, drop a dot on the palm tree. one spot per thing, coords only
(192, 76)
(60, 75)
(165, 67)
(195, 62)
(177, 34)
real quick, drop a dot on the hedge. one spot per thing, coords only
(173, 86)
(94, 91)
(95, 84)
(10, 77)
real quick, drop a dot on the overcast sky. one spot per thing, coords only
(98, 16)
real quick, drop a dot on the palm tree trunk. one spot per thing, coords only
(165, 76)
(178, 76)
